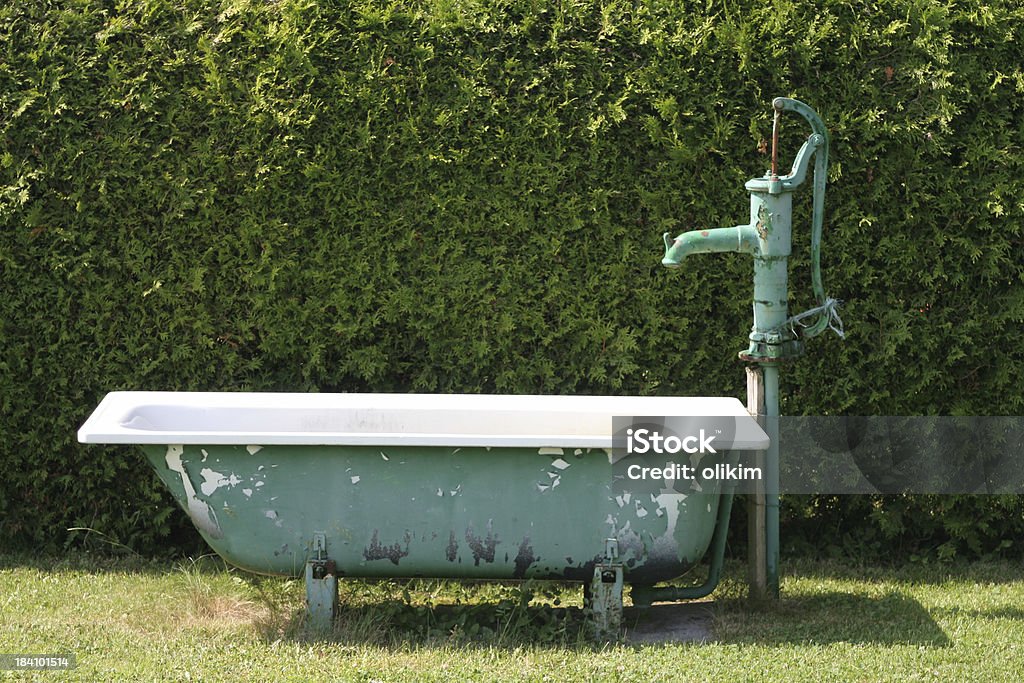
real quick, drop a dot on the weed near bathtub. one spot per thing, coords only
(387, 612)
(416, 611)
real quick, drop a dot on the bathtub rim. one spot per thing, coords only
(108, 422)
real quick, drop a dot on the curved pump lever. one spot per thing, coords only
(816, 144)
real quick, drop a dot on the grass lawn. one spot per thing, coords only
(129, 619)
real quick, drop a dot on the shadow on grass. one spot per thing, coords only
(831, 617)
(892, 619)
(504, 616)
(397, 624)
(83, 561)
(928, 573)
(1012, 613)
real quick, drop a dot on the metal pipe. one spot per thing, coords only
(775, 143)
(771, 477)
(643, 596)
(740, 238)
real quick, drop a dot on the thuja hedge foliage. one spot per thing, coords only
(469, 197)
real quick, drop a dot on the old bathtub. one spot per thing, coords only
(413, 485)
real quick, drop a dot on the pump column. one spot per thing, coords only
(771, 214)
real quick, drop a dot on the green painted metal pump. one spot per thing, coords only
(775, 336)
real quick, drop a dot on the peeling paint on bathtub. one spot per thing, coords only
(550, 451)
(201, 513)
(483, 548)
(631, 544)
(524, 559)
(214, 480)
(378, 551)
(211, 481)
(670, 501)
(666, 547)
(253, 450)
(452, 551)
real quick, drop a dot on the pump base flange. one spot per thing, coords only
(763, 352)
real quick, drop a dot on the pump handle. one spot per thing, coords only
(781, 104)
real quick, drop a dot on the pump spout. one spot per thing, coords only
(741, 238)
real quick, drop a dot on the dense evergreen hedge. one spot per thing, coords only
(469, 196)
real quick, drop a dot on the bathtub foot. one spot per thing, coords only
(604, 605)
(321, 588)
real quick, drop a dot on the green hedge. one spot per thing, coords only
(469, 196)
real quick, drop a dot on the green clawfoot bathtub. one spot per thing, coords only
(416, 485)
